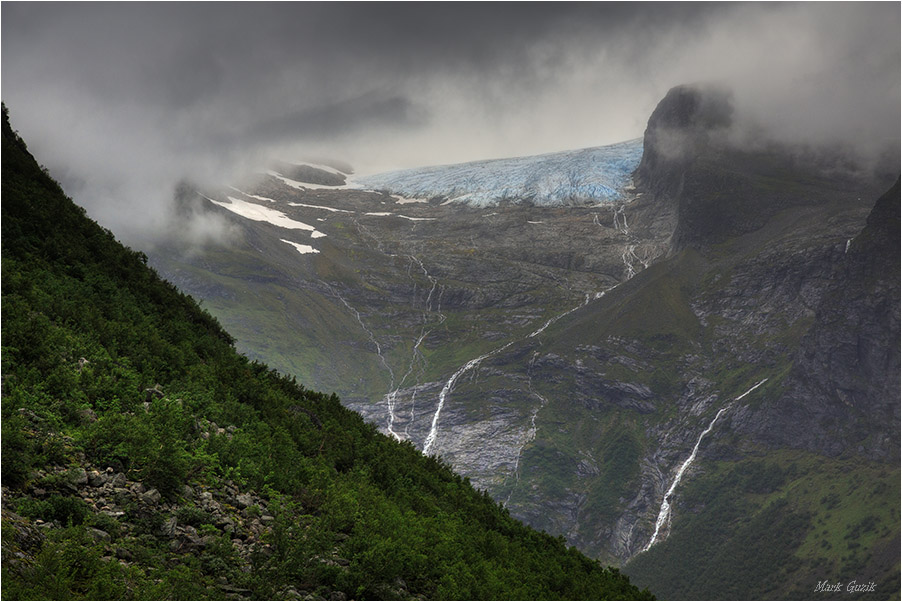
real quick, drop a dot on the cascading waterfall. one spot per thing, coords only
(433, 429)
(413, 396)
(531, 433)
(391, 373)
(621, 226)
(415, 356)
(665, 512)
(394, 388)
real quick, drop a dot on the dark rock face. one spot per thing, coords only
(845, 376)
(842, 394)
(678, 130)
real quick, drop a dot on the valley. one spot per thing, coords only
(587, 362)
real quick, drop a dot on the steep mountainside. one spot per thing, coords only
(704, 369)
(764, 350)
(143, 458)
(382, 298)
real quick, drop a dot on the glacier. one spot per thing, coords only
(591, 175)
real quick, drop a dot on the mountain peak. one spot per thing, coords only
(678, 129)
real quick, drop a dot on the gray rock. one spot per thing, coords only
(118, 481)
(151, 497)
(153, 393)
(97, 479)
(87, 416)
(169, 526)
(99, 535)
(244, 500)
(78, 477)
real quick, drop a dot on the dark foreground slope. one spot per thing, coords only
(144, 458)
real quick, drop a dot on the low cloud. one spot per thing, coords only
(124, 101)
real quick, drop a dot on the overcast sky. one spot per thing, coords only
(121, 101)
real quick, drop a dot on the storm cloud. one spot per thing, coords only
(122, 101)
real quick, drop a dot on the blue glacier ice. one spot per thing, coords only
(590, 175)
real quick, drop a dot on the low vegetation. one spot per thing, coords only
(144, 458)
(775, 527)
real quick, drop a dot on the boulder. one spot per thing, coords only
(169, 526)
(78, 476)
(151, 497)
(97, 479)
(155, 392)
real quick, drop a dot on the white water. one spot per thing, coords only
(627, 256)
(621, 226)
(373, 340)
(554, 319)
(433, 429)
(665, 512)
(531, 433)
(416, 357)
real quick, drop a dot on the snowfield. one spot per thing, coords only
(302, 249)
(264, 214)
(591, 175)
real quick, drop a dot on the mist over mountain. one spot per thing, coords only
(123, 102)
(689, 357)
(632, 270)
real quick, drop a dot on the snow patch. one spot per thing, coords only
(323, 207)
(400, 200)
(322, 167)
(254, 196)
(302, 185)
(261, 214)
(302, 249)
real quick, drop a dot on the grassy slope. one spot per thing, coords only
(775, 525)
(87, 326)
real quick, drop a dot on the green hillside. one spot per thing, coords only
(143, 458)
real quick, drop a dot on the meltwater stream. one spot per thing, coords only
(665, 512)
(621, 227)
